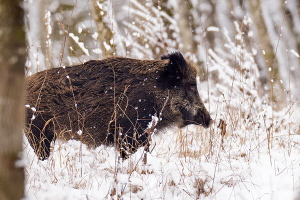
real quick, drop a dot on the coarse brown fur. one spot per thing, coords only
(111, 102)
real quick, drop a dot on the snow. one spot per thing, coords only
(213, 28)
(107, 46)
(295, 53)
(95, 35)
(48, 23)
(97, 51)
(80, 44)
(79, 132)
(191, 163)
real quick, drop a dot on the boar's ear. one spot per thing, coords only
(177, 68)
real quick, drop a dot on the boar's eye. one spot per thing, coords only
(193, 87)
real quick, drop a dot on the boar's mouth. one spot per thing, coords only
(205, 124)
(202, 118)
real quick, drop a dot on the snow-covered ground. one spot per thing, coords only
(193, 163)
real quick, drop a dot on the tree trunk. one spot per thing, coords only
(12, 61)
(186, 26)
(101, 16)
(36, 36)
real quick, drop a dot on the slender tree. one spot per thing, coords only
(186, 26)
(12, 60)
(104, 27)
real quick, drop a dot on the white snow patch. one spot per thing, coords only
(107, 46)
(97, 51)
(213, 29)
(80, 44)
(95, 35)
(295, 53)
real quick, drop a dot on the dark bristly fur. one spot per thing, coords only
(111, 102)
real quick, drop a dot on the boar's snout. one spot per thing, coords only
(203, 118)
(197, 116)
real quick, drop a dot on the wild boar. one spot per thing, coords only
(111, 102)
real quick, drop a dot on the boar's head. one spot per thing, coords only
(184, 103)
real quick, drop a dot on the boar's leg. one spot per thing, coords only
(40, 134)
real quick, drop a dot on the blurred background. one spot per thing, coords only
(262, 34)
